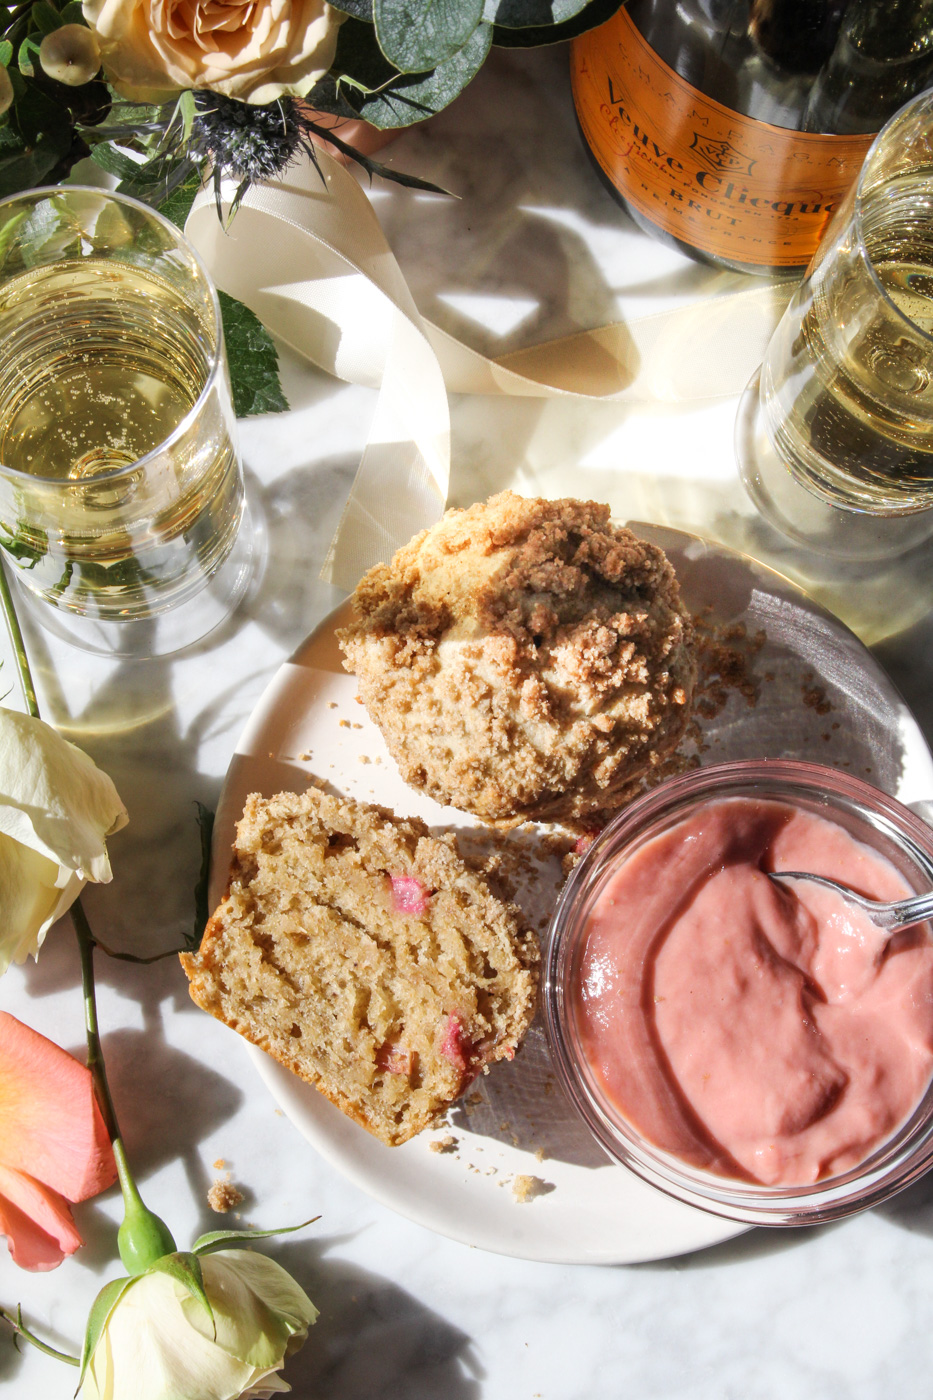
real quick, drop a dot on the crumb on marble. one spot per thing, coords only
(223, 1196)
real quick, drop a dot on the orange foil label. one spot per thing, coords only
(732, 187)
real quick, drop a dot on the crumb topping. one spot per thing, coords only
(524, 658)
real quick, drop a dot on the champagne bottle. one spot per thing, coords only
(733, 128)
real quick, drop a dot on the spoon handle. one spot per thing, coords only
(894, 916)
(904, 913)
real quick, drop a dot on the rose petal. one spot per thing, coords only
(50, 1124)
(29, 898)
(38, 1224)
(159, 1344)
(255, 52)
(54, 799)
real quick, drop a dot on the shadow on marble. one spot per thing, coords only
(302, 510)
(516, 258)
(902, 656)
(372, 1341)
(756, 1244)
(166, 1100)
(911, 1209)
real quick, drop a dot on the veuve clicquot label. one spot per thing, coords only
(731, 187)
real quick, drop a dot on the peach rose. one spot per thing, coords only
(255, 50)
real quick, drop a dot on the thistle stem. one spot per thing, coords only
(23, 1331)
(19, 646)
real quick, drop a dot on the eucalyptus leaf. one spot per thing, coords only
(24, 57)
(525, 14)
(412, 97)
(45, 17)
(360, 9)
(253, 361)
(419, 35)
(100, 1314)
(359, 59)
(219, 1239)
(44, 126)
(594, 14)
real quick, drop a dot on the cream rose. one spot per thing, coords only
(157, 1343)
(255, 50)
(56, 810)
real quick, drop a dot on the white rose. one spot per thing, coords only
(56, 808)
(255, 50)
(158, 1343)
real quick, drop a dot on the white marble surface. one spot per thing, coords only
(533, 249)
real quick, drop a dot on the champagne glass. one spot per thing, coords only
(121, 490)
(834, 435)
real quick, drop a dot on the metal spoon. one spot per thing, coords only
(894, 916)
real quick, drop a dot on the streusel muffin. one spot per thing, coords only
(524, 659)
(362, 953)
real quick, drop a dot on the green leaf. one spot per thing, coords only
(525, 14)
(185, 1269)
(45, 17)
(419, 35)
(17, 172)
(178, 205)
(413, 97)
(594, 14)
(73, 13)
(45, 128)
(114, 161)
(24, 57)
(6, 52)
(187, 112)
(157, 179)
(100, 1314)
(360, 9)
(253, 361)
(202, 908)
(218, 1239)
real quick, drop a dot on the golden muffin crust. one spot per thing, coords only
(524, 659)
(362, 953)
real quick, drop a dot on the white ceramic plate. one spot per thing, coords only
(821, 696)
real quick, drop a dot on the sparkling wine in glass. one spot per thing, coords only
(121, 493)
(835, 434)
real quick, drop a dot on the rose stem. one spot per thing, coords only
(143, 1237)
(20, 1328)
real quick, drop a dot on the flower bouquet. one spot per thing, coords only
(163, 95)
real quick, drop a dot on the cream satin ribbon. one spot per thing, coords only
(310, 258)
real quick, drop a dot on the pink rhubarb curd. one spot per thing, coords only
(754, 1030)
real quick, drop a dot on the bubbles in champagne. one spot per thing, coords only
(107, 360)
